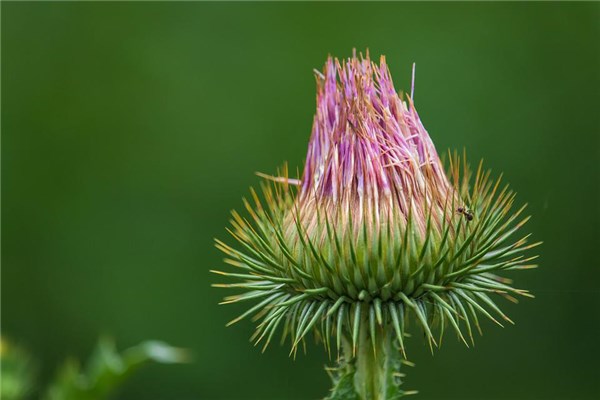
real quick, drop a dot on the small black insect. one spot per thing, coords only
(466, 212)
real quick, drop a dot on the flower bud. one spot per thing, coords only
(375, 233)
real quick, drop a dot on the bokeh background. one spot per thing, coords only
(131, 130)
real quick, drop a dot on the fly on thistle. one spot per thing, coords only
(374, 239)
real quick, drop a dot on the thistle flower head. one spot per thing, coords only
(368, 147)
(376, 233)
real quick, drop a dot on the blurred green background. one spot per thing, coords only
(130, 131)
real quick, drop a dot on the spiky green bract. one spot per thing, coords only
(340, 279)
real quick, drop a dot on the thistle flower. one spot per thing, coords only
(374, 236)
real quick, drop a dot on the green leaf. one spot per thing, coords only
(106, 370)
(343, 386)
(18, 372)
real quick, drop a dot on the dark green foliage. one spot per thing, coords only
(17, 371)
(102, 375)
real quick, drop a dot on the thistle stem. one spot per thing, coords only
(371, 371)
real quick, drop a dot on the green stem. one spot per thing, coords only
(371, 371)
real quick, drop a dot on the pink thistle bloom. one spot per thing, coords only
(369, 153)
(374, 234)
